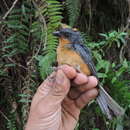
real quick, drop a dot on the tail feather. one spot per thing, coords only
(103, 105)
(109, 106)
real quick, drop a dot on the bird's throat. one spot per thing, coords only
(63, 41)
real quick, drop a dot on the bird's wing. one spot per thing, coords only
(106, 103)
(85, 53)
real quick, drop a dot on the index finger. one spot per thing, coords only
(69, 71)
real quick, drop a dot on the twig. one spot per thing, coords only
(28, 63)
(125, 29)
(17, 63)
(90, 16)
(4, 115)
(43, 20)
(7, 13)
(45, 26)
(5, 4)
(128, 19)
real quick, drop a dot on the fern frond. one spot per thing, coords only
(16, 45)
(49, 13)
(11, 122)
(73, 7)
(18, 31)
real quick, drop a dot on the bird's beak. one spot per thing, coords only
(57, 33)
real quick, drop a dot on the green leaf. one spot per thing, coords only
(114, 79)
(104, 35)
(45, 64)
(122, 40)
(10, 65)
(25, 101)
(10, 39)
(24, 95)
(102, 75)
(95, 129)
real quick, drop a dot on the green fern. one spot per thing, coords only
(11, 122)
(73, 8)
(18, 30)
(16, 42)
(50, 9)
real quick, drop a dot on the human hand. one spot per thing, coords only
(56, 104)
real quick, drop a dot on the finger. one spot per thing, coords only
(86, 98)
(91, 83)
(81, 84)
(73, 93)
(69, 71)
(80, 79)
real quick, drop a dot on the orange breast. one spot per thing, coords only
(70, 57)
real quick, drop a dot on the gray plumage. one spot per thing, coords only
(108, 106)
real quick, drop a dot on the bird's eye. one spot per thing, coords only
(66, 35)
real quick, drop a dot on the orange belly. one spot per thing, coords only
(70, 57)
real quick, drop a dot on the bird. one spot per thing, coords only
(73, 52)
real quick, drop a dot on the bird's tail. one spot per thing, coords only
(109, 106)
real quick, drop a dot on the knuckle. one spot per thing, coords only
(63, 88)
(93, 93)
(81, 79)
(69, 71)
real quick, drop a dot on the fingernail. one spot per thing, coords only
(59, 77)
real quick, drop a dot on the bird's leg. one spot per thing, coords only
(54, 69)
(77, 67)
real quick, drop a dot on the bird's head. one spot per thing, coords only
(69, 35)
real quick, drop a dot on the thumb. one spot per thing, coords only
(60, 88)
(61, 85)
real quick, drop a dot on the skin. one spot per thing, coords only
(56, 104)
